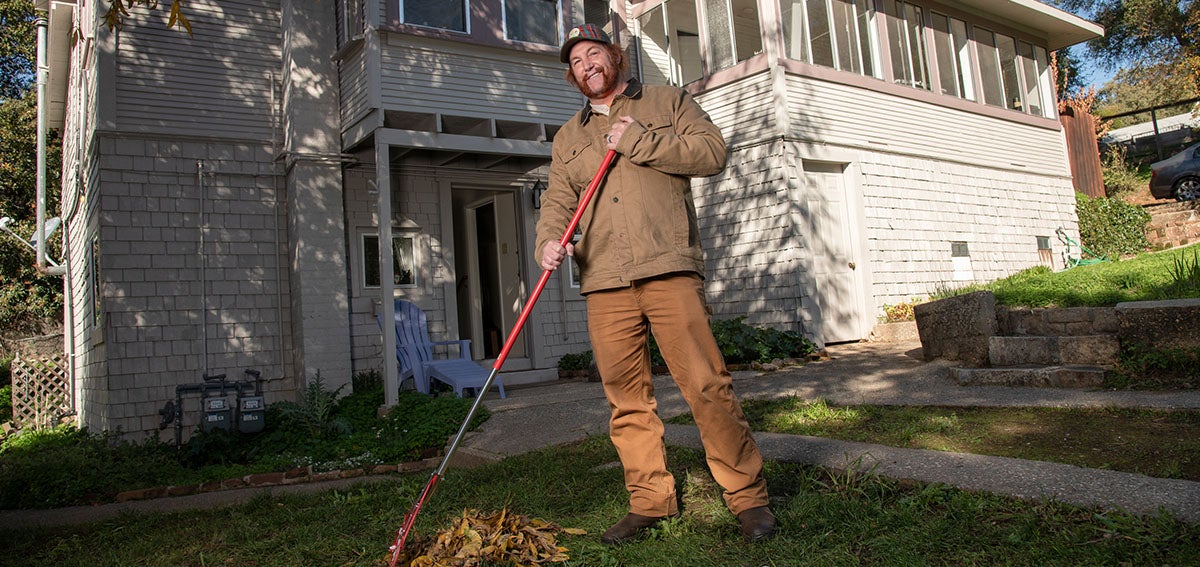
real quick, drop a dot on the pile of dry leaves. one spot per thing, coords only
(502, 537)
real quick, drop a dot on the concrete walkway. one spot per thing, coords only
(534, 417)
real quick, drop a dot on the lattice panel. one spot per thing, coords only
(41, 392)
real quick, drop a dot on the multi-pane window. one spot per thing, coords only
(733, 32)
(440, 14)
(830, 33)
(533, 21)
(403, 263)
(670, 44)
(906, 44)
(952, 56)
(1015, 74)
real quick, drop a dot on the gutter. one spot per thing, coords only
(42, 71)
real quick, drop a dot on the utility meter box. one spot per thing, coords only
(217, 415)
(251, 411)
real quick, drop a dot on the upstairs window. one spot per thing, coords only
(831, 33)
(532, 21)
(906, 42)
(952, 56)
(733, 32)
(451, 15)
(670, 44)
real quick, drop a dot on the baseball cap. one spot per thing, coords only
(585, 32)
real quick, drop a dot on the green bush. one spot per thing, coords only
(579, 361)
(1110, 227)
(1120, 178)
(739, 344)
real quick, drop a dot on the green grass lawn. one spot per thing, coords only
(825, 519)
(1163, 444)
(1172, 274)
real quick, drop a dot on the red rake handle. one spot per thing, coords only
(411, 517)
(566, 238)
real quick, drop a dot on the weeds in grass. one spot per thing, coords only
(1185, 275)
(1147, 367)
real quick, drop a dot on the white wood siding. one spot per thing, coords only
(216, 83)
(915, 208)
(354, 76)
(431, 76)
(744, 110)
(842, 115)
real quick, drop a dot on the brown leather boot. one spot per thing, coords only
(757, 524)
(629, 528)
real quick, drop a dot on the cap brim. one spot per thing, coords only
(564, 54)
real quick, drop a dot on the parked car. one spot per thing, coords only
(1178, 176)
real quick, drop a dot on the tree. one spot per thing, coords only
(30, 302)
(17, 47)
(1138, 88)
(118, 10)
(1157, 40)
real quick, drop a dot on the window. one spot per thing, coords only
(573, 267)
(533, 21)
(952, 56)
(733, 32)
(831, 33)
(403, 264)
(989, 67)
(906, 42)
(442, 14)
(94, 279)
(670, 48)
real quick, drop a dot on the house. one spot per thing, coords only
(222, 191)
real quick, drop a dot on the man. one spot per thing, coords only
(641, 267)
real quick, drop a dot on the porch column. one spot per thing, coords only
(320, 307)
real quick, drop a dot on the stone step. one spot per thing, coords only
(1034, 376)
(1084, 350)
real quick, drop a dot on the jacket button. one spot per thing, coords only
(615, 199)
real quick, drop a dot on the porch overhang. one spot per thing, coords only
(433, 141)
(1059, 28)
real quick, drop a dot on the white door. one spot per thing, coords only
(508, 249)
(835, 267)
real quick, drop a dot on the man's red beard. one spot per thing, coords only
(609, 83)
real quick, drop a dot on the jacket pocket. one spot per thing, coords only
(575, 165)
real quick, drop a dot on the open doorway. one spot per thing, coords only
(488, 262)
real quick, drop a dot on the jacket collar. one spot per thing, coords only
(632, 90)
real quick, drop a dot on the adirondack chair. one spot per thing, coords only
(415, 354)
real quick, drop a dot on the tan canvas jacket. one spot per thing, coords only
(642, 221)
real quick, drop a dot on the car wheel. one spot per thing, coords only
(1187, 189)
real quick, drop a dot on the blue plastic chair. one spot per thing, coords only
(415, 355)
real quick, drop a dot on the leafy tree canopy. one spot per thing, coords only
(1157, 41)
(18, 48)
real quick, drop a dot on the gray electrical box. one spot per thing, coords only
(217, 415)
(251, 411)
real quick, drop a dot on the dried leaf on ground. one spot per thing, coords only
(476, 539)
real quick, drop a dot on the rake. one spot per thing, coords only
(411, 517)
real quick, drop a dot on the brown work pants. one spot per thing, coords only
(674, 309)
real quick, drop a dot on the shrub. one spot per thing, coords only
(739, 344)
(580, 361)
(1110, 227)
(1119, 177)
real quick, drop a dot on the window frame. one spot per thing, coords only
(398, 238)
(558, 18)
(466, 15)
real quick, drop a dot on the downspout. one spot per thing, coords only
(42, 71)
